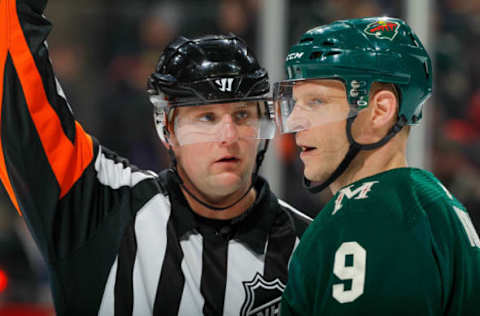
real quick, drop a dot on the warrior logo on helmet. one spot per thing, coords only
(224, 84)
(383, 29)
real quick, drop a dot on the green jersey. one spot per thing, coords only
(396, 243)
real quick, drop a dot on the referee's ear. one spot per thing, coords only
(170, 141)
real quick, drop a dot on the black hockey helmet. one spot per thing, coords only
(190, 72)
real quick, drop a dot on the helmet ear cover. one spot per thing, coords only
(161, 124)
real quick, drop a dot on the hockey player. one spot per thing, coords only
(392, 240)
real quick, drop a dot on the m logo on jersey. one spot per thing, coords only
(224, 84)
(262, 298)
(358, 194)
(383, 29)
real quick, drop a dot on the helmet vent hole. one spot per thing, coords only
(332, 53)
(316, 55)
(328, 43)
(306, 40)
(414, 41)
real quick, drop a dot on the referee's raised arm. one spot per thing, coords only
(43, 150)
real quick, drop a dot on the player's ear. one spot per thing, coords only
(384, 109)
(171, 140)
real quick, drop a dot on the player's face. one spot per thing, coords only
(324, 145)
(222, 167)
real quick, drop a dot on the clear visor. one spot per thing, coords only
(223, 122)
(304, 104)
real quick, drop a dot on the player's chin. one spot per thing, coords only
(309, 170)
(314, 174)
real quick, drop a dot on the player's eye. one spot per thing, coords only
(315, 102)
(311, 104)
(207, 117)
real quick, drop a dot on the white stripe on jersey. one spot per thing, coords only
(151, 234)
(116, 175)
(108, 301)
(247, 263)
(192, 300)
(60, 91)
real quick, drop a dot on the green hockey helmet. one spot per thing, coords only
(359, 52)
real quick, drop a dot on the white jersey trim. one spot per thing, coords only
(116, 175)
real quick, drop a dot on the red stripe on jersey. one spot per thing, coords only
(67, 160)
(3, 58)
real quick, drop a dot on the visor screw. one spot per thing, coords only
(355, 84)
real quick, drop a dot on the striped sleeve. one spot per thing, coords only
(77, 197)
(43, 151)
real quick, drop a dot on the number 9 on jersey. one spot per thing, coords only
(354, 271)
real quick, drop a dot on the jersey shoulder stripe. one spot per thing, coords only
(115, 173)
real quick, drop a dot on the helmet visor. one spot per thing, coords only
(223, 122)
(304, 104)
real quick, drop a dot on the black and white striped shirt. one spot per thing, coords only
(171, 262)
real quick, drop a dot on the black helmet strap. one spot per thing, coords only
(352, 152)
(179, 181)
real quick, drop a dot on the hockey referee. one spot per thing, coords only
(206, 236)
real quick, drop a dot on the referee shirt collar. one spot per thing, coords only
(251, 228)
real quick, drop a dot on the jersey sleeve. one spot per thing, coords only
(55, 174)
(364, 263)
(457, 248)
(40, 137)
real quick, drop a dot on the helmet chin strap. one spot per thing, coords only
(173, 170)
(352, 153)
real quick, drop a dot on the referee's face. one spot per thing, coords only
(220, 171)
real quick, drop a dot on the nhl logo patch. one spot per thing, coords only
(383, 29)
(262, 298)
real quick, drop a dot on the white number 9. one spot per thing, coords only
(355, 272)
